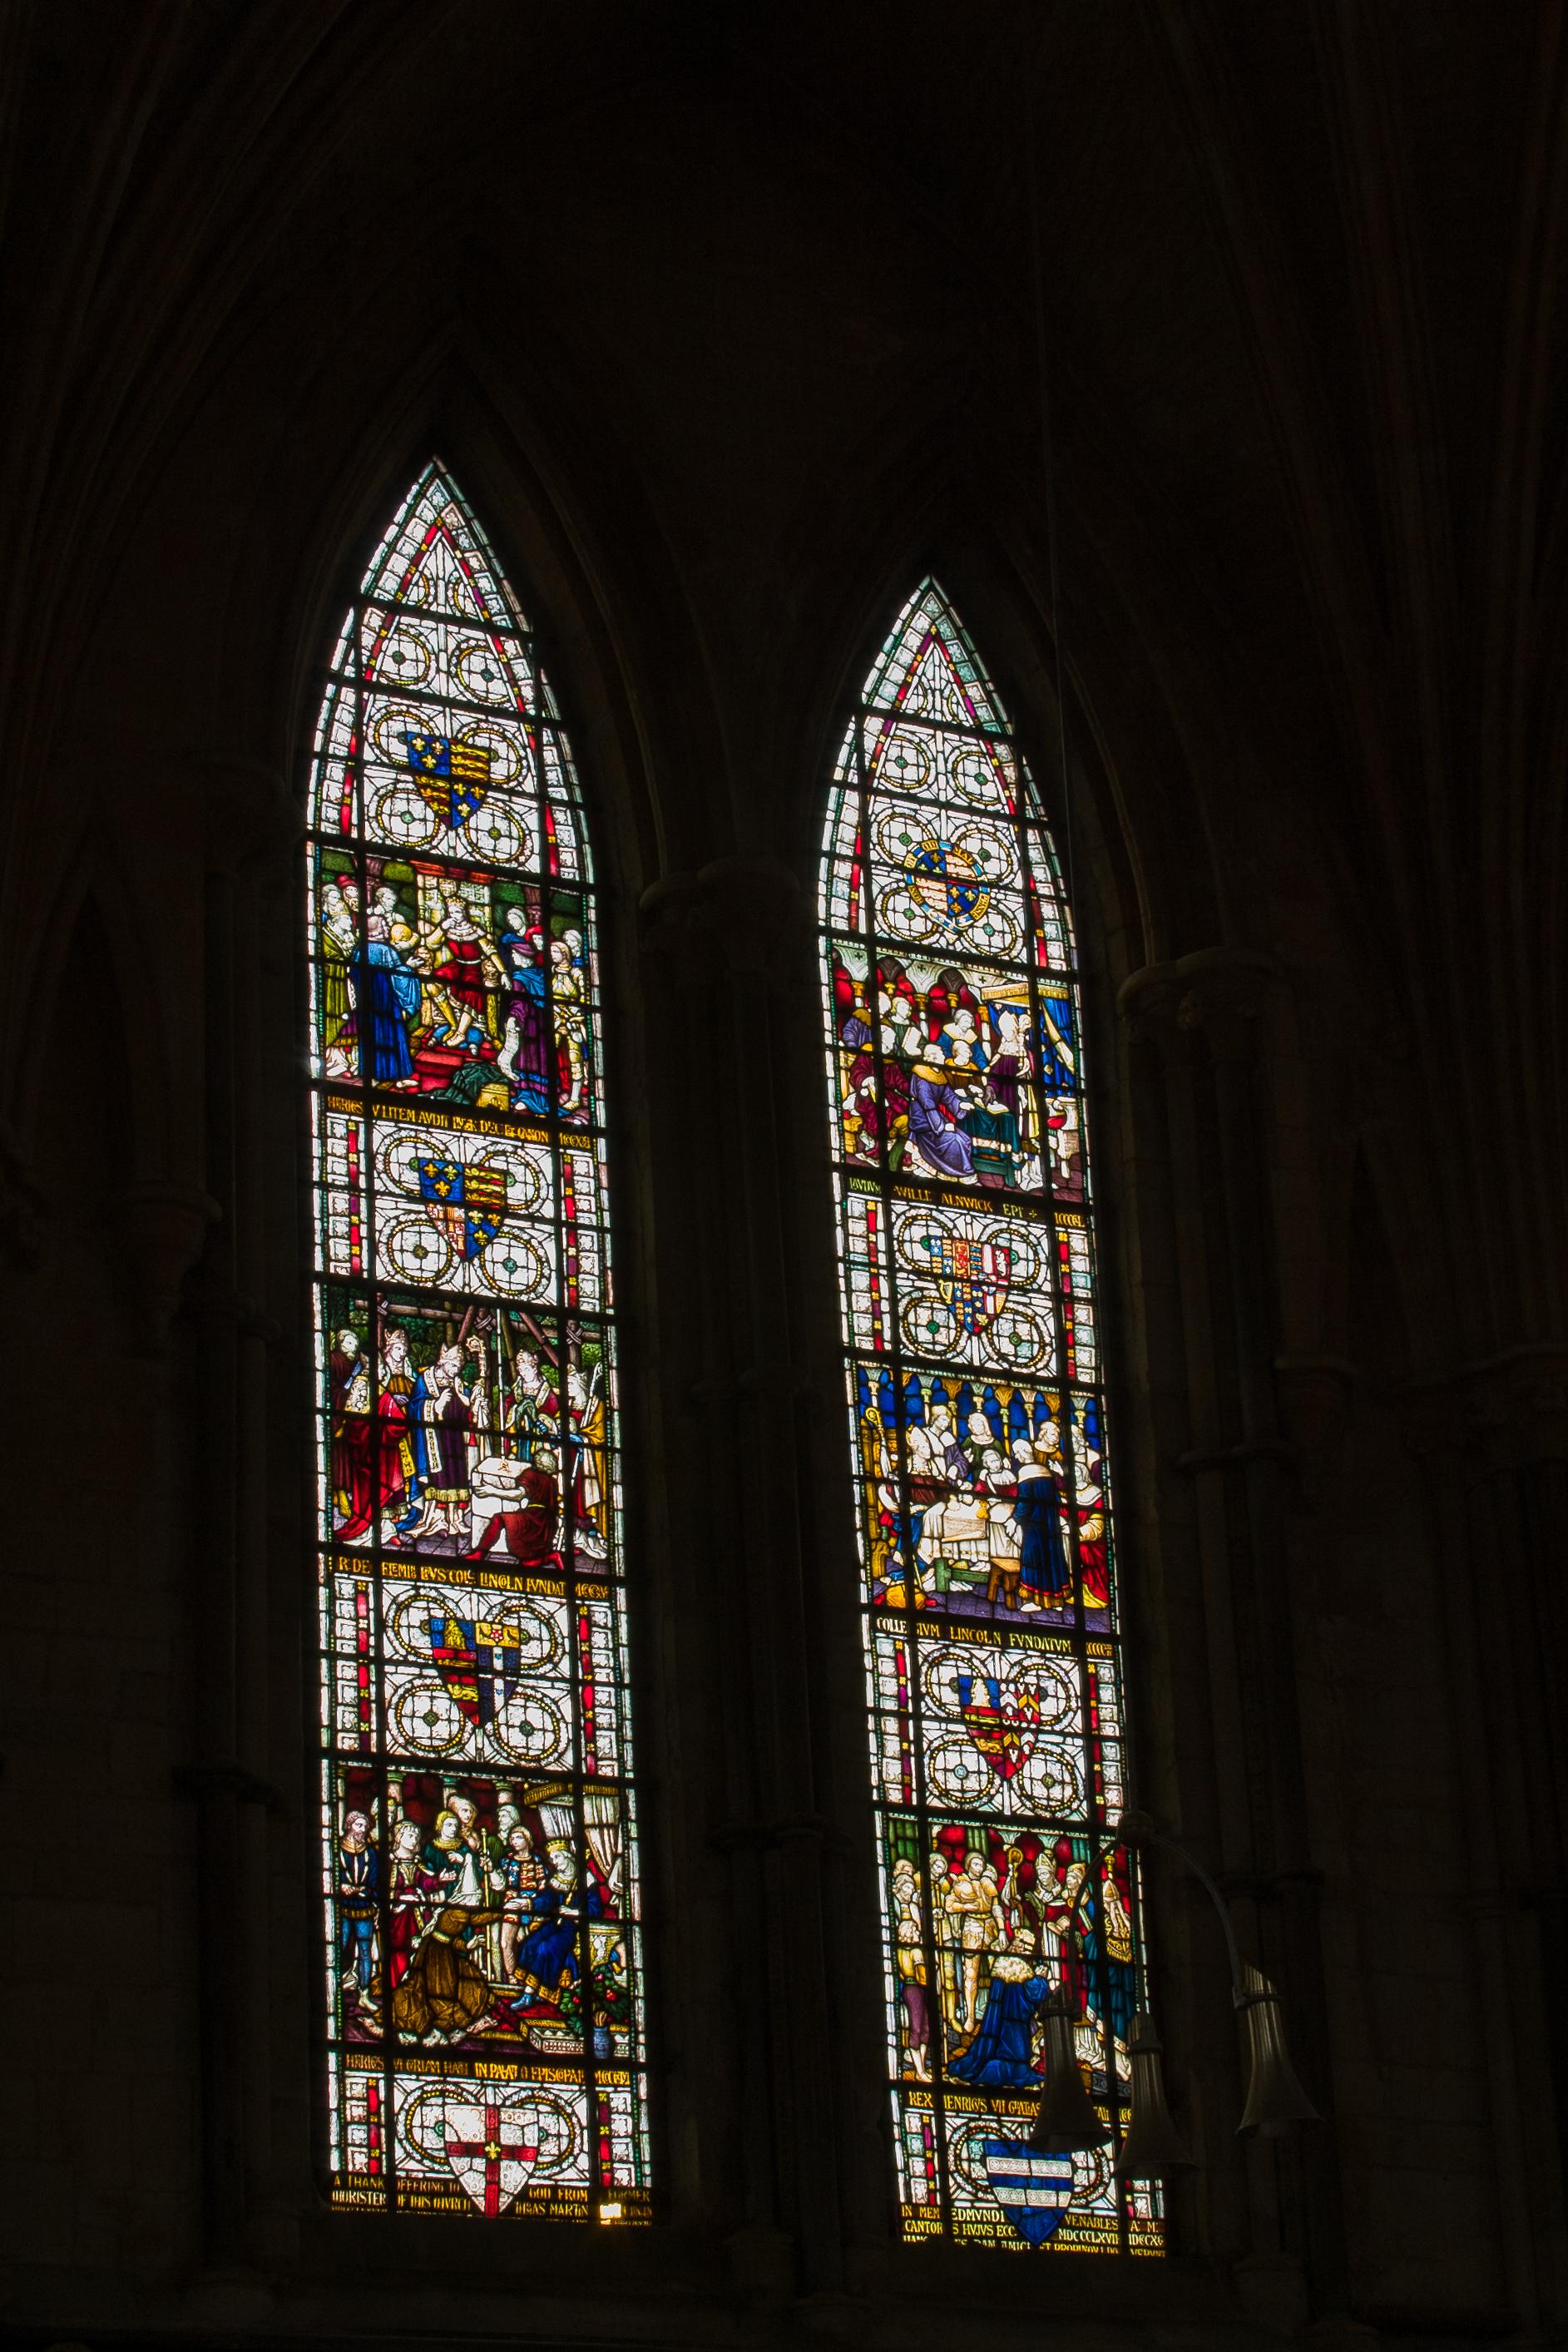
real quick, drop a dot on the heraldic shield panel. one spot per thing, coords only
(981, 1462)
(478, 1826)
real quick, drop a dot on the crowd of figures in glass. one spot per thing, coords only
(977, 1428)
(479, 1848)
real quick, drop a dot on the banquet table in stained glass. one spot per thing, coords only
(979, 1453)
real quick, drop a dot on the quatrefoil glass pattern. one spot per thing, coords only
(482, 1960)
(979, 1453)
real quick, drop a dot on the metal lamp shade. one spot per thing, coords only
(1067, 2119)
(1275, 2100)
(1152, 2145)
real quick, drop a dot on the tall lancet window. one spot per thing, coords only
(480, 1858)
(978, 1442)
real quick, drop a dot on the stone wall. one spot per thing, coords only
(727, 323)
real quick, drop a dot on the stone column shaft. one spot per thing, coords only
(1211, 1014)
(1492, 1442)
(737, 926)
(229, 1583)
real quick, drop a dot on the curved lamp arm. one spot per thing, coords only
(1136, 1830)
(1151, 1836)
(1275, 2099)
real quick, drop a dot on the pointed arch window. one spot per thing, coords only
(483, 1986)
(979, 1440)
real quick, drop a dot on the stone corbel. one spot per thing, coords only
(1147, 1001)
(1427, 1410)
(1237, 1457)
(253, 821)
(774, 1381)
(236, 1780)
(794, 1829)
(1226, 992)
(1315, 1394)
(1514, 1406)
(160, 1228)
(1520, 1402)
(223, 1304)
(741, 916)
(23, 1208)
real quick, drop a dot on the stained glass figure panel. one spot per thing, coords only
(977, 1442)
(483, 1962)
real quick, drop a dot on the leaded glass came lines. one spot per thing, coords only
(978, 1440)
(479, 1857)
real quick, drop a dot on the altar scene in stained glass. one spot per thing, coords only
(483, 1963)
(976, 1426)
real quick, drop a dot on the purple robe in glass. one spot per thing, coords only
(940, 1144)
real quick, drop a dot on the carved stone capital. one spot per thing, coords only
(1519, 1401)
(24, 1208)
(1315, 1394)
(203, 1781)
(253, 820)
(775, 1381)
(1511, 1409)
(219, 1302)
(1237, 1456)
(161, 1228)
(738, 916)
(1223, 992)
(1147, 1001)
(1428, 1410)
(792, 1829)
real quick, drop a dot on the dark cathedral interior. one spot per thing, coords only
(1194, 373)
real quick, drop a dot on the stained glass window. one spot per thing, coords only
(979, 1449)
(485, 2026)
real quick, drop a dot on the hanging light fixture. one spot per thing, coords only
(1067, 2118)
(1152, 2145)
(1275, 2099)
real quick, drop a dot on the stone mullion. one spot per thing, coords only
(215, 1627)
(1167, 1553)
(737, 925)
(1215, 1810)
(1234, 999)
(688, 1023)
(760, 1386)
(1204, 1367)
(760, 924)
(229, 1547)
(253, 1336)
(1212, 1013)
